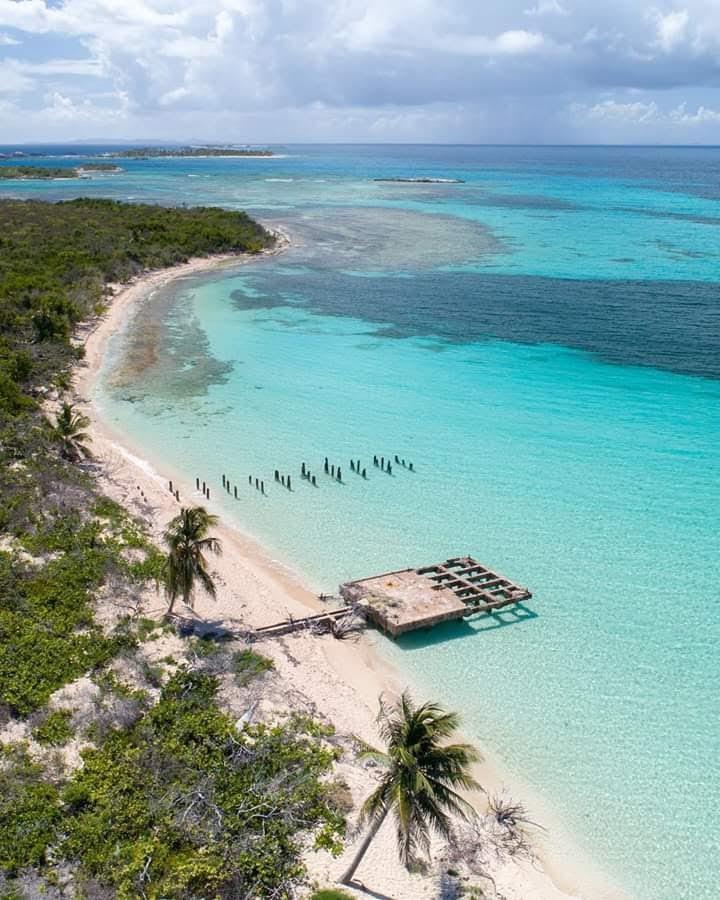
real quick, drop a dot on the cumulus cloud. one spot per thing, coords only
(671, 28)
(647, 113)
(501, 70)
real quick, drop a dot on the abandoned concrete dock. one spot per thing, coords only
(409, 599)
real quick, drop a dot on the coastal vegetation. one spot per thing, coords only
(160, 152)
(422, 773)
(188, 540)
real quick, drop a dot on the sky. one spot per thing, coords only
(269, 71)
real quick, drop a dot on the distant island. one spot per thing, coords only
(160, 152)
(49, 173)
(423, 180)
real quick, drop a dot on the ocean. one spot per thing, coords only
(541, 338)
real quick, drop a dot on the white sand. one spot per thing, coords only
(342, 680)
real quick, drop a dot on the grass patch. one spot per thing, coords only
(331, 894)
(247, 664)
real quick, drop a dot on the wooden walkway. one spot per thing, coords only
(320, 623)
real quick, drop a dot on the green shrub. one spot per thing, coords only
(248, 665)
(29, 812)
(55, 729)
(206, 646)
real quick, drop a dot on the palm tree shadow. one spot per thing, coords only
(359, 886)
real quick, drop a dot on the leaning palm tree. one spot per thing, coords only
(70, 435)
(421, 774)
(187, 539)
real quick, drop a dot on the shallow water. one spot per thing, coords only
(542, 342)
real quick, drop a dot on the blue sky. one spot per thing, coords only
(606, 71)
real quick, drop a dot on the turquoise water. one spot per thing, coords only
(542, 342)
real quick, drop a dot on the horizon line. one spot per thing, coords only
(338, 143)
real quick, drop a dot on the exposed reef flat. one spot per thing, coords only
(46, 173)
(422, 180)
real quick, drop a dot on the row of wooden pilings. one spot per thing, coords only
(330, 469)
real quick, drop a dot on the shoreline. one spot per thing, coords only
(342, 679)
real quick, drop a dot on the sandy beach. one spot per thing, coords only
(340, 680)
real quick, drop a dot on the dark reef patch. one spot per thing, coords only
(671, 325)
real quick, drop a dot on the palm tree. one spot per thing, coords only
(187, 539)
(68, 432)
(420, 778)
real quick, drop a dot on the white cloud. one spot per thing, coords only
(671, 29)
(80, 67)
(546, 7)
(59, 107)
(701, 116)
(518, 41)
(7, 41)
(12, 80)
(645, 113)
(519, 62)
(638, 113)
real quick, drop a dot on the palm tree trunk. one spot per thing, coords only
(362, 849)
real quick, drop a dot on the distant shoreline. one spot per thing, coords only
(189, 153)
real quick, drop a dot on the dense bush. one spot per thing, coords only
(182, 805)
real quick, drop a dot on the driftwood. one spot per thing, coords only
(338, 622)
